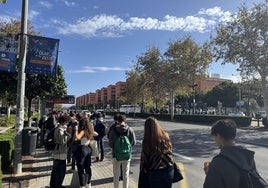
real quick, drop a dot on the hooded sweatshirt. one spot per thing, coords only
(121, 129)
(222, 173)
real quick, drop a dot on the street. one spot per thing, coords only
(193, 145)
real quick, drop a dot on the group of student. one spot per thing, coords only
(156, 161)
(73, 133)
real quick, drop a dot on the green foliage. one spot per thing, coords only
(244, 41)
(7, 122)
(226, 93)
(7, 148)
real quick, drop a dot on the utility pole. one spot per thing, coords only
(21, 90)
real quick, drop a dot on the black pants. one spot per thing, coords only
(58, 173)
(83, 157)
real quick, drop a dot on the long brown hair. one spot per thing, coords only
(86, 126)
(155, 138)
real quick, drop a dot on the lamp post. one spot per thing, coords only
(194, 89)
(17, 168)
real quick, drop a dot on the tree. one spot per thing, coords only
(226, 93)
(187, 62)
(244, 41)
(44, 87)
(149, 67)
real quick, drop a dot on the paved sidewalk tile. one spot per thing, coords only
(102, 174)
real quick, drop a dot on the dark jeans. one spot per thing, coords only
(74, 151)
(58, 173)
(83, 157)
(161, 178)
(100, 148)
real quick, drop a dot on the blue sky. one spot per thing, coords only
(99, 40)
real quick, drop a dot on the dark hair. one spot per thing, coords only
(99, 115)
(82, 124)
(224, 127)
(116, 117)
(121, 118)
(63, 120)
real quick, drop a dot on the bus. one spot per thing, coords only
(126, 108)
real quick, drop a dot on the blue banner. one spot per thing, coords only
(8, 52)
(42, 55)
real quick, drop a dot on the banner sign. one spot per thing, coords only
(8, 52)
(42, 55)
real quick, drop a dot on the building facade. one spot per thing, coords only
(112, 95)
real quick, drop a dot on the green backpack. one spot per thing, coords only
(122, 147)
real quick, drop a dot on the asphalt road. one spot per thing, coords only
(193, 145)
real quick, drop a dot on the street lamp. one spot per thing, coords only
(194, 90)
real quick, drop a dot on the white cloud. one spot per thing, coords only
(111, 25)
(33, 14)
(215, 11)
(45, 4)
(69, 4)
(88, 69)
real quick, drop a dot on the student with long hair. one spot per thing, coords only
(156, 156)
(84, 132)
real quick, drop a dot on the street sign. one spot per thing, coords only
(68, 99)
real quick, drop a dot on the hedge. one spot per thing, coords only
(202, 119)
(7, 148)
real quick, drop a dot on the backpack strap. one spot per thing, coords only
(120, 134)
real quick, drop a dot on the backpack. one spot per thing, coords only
(122, 147)
(248, 178)
(49, 142)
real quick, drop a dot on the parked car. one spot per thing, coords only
(262, 114)
(236, 114)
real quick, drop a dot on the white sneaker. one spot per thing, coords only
(88, 185)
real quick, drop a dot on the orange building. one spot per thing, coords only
(112, 94)
(210, 82)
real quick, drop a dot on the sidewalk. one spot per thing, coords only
(37, 169)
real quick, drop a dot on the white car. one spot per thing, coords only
(262, 114)
(236, 114)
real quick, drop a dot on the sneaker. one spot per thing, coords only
(88, 185)
(100, 160)
(121, 178)
(96, 161)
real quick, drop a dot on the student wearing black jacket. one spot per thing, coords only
(221, 172)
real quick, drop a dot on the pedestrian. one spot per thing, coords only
(72, 144)
(59, 154)
(108, 136)
(220, 172)
(99, 127)
(121, 129)
(51, 122)
(156, 163)
(84, 132)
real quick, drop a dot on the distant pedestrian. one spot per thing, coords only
(99, 127)
(59, 154)
(84, 132)
(156, 157)
(221, 171)
(121, 129)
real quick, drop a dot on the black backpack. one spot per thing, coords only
(248, 178)
(49, 142)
